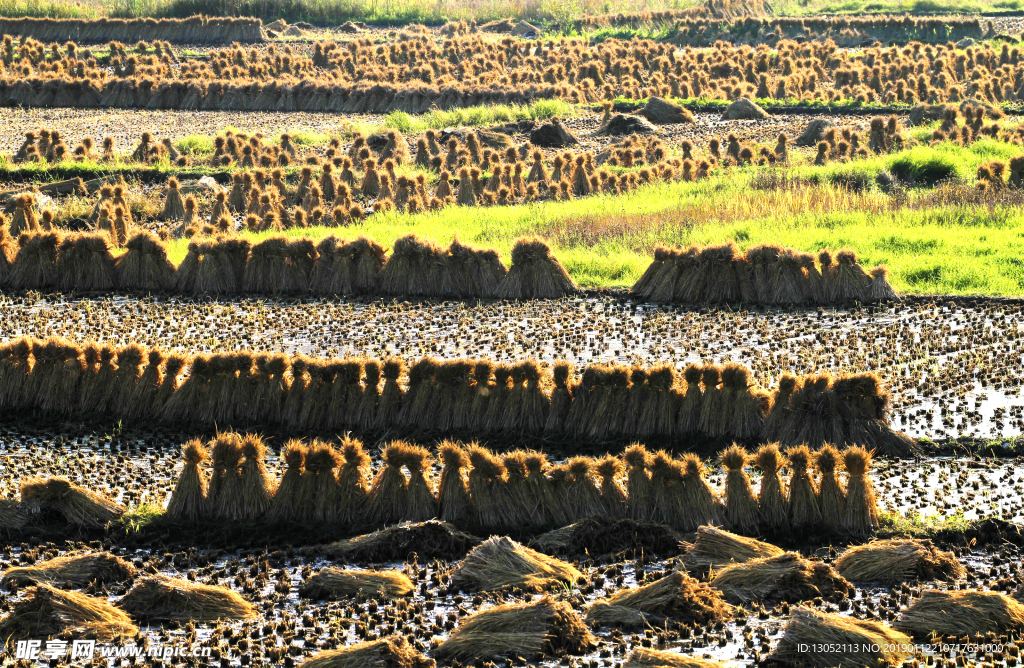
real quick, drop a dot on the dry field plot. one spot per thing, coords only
(684, 337)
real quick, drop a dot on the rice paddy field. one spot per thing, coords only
(657, 335)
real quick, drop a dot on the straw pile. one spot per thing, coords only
(898, 560)
(158, 598)
(642, 657)
(786, 577)
(676, 596)
(390, 652)
(771, 499)
(333, 583)
(47, 612)
(535, 274)
(188, 500)
(192, 30)
(432, 539)
(715, 548)
(825, 640)
(528, 630)
(75, 504)
(502, 562)
(861, 516)
(13, 514)
(73, 571)
(958, 613)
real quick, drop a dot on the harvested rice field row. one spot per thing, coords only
(953, 367)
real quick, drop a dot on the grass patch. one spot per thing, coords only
(477, 116)
(917, 525)
(140, 517)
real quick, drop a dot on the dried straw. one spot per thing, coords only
(898, 560)
(803, 497)
(831, 495)
(741, 508)
(785, 577)
(72, 571)
(158, 598)
(715, 548)
(959, 613)
(334, 583)
(391, 652)
(47, 612)
(771, 499)
(188, 500)
(75, 504)
(530, 630)
(823, 640)
(502, 562)
(861, 516)
(676, 596)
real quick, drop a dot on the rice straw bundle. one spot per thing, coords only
(317, 498)
(659, 415)
(502, 562)
(898, 560)
(453, 498)
(332, 583)
(715, 548)
(77, 505)
(188, 500)
(420, 499)
(741, 507)
(390, 489)
(353, 490)
(581, 491)
(784, 577)
(535, 274)
(486, 484)
(283, 506)
(257, 485)
(677, 597)
(959, 613)
(639, 492)
(779, 417)
(529, 630)
(771, 498)
(690, 408)
(392, 652)
(158, 598)
(665, 478)
(391, 396)
(831, 495)
(517, 512)
(652, 658)
(880, 290)
(851, 282)
(542, 510)
(224, 495)
(48, 612)
(72, 571)
(861, 516)
(823, 640)
(711, 401)
(803, 497)
(696, 503)
(615, 502)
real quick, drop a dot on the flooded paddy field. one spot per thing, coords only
(137, 469)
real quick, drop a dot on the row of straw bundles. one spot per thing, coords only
(479, 489)
(193, 30)
(453, 397)
(418, 268)
(269, 96)
(767, 274)
(232, 265)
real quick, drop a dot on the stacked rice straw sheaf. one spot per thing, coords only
(480, 490)
(434, 397)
